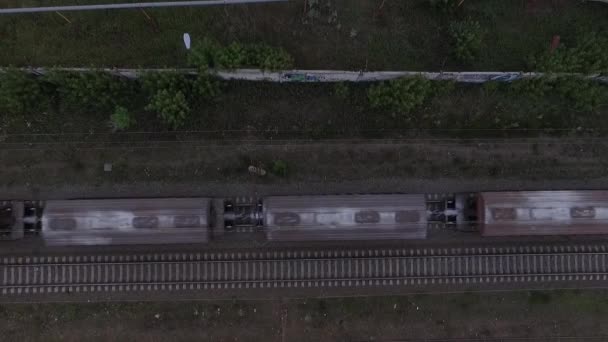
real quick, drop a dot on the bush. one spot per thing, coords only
(210, 54)
(96, 89)
(20, 92)
(171, 107)
(205, 88)
(535, 88)
(269, 58)
(205, 54)
(232, 57)
(444, 6)
(589, 56)
(400, 96)
(171, 94)
(467, 37)
(121, 119)
(154, 82)
(280, 168)
(341, 90)
(585, 95)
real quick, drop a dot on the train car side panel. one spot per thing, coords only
(543, 213)
(126, 221)
(345, 217)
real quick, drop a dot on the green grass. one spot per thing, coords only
(288, 111)
(404, 35)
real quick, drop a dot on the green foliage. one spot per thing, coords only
(205, 54)
(535, 88)
(172, 95)
(210, 54)
(95, 89)
(467, 37)
(280, 168)
(400, 96)
(589, 56)
(205, 88)
(121, 119)
(232, 57)
(268, 58)
(20, 92)
(154, 82)
(443, 87)
(171, 107)
(444, 6)
(341, 90)
(583, 94)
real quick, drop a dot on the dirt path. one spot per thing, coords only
(418, 166)
(540, 316)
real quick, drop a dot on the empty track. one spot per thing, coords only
(301, 269)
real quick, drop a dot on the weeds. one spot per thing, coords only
(210, 54)
(280, 168)
(20, 92)
(121, 119)
(400, 96)
(467, 37)
(589, 56)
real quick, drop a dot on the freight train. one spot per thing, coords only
(305, 218)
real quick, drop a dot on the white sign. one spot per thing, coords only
(187, 40)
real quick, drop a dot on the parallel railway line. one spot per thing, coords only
(301, 269)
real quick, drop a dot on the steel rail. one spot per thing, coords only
(367, 258)
(337, 269)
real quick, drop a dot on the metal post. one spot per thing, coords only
(131, 5)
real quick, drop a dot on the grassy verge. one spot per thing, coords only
(469, 315)
(414, 108)
(337, 34)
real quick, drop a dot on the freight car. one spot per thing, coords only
(304, 218)
(542, 213)
(346, 217)
(126, 221)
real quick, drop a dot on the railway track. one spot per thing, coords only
(301, 269)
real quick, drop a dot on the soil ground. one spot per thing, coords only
(171, 168)
(339, 34)
(537, 315)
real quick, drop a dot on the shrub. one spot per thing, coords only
(269, 58)
(171, 107)
(280, 168)
(341, 90)
(171, 94)
(582, 94)
(210, 54)
(400, 95)
(205, 88)
(232, 57)
(589, 56)
(467, 37)
(205, 54)
(95, 89)
(535, 88)
(173, 82)
(586, 95)
(121, 119)
(20, 92)
(444, 6)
